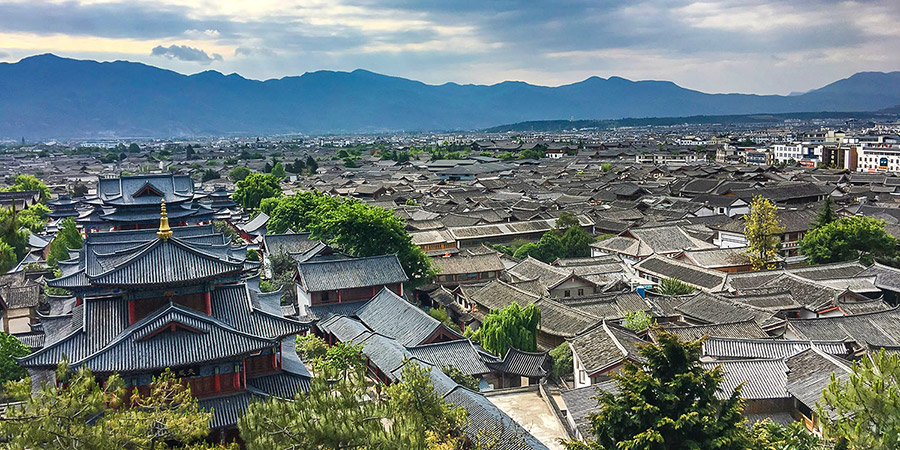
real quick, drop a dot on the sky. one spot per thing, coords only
(749, 46)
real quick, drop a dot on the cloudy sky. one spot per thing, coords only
(755, 46)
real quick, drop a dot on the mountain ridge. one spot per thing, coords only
(56, 97)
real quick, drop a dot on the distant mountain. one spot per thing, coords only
(760, 119)
(47, 96)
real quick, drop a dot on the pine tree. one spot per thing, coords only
(80, 413)
(826, 214)
(668, 403)
(865, 409)
(762, 230)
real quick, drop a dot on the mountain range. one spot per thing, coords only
(46, 96)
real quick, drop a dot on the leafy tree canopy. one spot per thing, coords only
(848, 238)
(512, 326)
(25, 182)
(254, 188)
(10, 348)
(763, 233)
(238, 173)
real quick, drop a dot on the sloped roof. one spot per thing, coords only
(605, 346)
(742, 329)
(350, 273)
(396, 318)
(664, 267)
(523, 364)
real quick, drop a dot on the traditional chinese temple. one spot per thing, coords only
(145, 300)
(132, 203)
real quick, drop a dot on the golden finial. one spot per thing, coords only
(164, 232)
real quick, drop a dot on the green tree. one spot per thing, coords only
(848, 238)
(866, 406)
(363, 230)
(252, 254)
(134, 148)
(669, 402)
(566, 221)
(11, 348)
(209, 175)
(238, 173)
(25, 182)
(762, 230)
(34, 217)
(768, 435)
(8, 258)
(278, 170)
(674, 286)
(81, 413)
(638, 320)
(312, 165)
(12, 233)
(296, 212)
(826, 214)
(576, 242)
(440, 313)
(341, 360)
(512, 326)
(68, 231)
(256, 187)
(311, 347)
(461, 378)
(562, 360)
(336, 414)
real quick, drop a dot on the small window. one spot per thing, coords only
(581, 292)
(324, 296)
(566, 293)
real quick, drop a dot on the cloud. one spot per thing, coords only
(713, 45)
(185, 53)
(253, 51)
(4, 55)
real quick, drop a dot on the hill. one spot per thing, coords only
(48, 96)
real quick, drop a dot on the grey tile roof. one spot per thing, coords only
(122, 190)
(663, 267)
(460, 354)
(736, 348)
(741, 329)
(393, 316)
(876, 328)
(581, 404)
(497, 295)
(523, 364)
(605, 346)
(350, 273)
(558, 319)
(468, 264)
(711, 309)
(810, 372)
(761, 378)
(486, 421)
(143, 348)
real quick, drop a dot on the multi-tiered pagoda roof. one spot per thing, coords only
(147, 300)
(132, 202)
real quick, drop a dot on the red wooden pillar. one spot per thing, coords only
(339, 295)
(206, 299)
(130, 312)
(217, 382)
